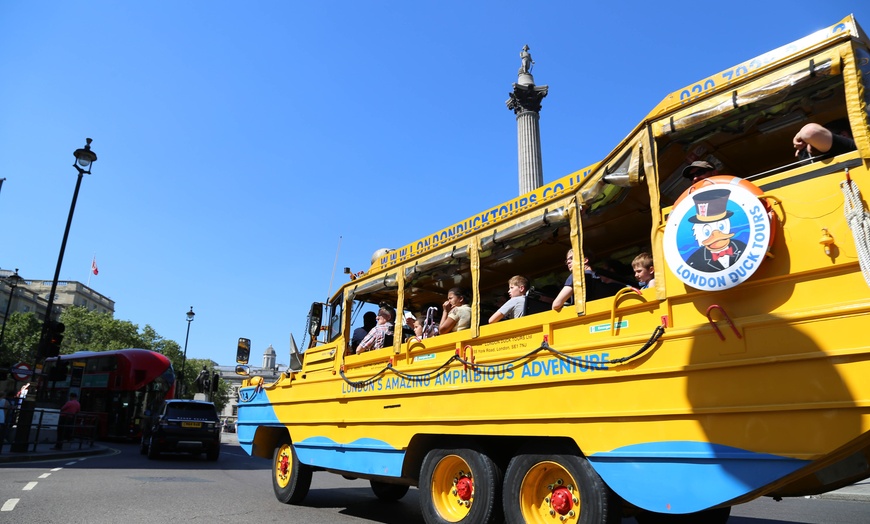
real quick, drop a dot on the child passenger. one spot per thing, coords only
(567, 292)
(514, 307)
(644, 271)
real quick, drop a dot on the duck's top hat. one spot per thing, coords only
(710, 206)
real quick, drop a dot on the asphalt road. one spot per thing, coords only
(127, 487)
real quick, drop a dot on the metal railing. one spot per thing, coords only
(44, 424)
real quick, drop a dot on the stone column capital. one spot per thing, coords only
(526, 98)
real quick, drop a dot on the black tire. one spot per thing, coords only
(708, 516)
(153, 450)
(213, 453)
(290, 479)
(459, 486)
(388, 492)
(542, 488)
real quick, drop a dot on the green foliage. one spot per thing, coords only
(91, 331)
(222, 396)
(85, 331)
(192, 369)
(170, 348)
(20, 338)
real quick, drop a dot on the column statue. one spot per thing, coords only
(527, 62)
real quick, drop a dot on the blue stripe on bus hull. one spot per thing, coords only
(255, 410)
(364, 456)
(685, 477)
(668, 477)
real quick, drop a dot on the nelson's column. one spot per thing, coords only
(525, 101)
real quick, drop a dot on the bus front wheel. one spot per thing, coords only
(459, 485)
(541, 488)
(290, 478)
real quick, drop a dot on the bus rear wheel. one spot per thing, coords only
(459, 485)
(290, 479)
(541, 487)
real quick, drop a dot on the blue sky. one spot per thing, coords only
(238, 142)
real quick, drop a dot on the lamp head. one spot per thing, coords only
(85, 157)
(190, 314)
(14, 279)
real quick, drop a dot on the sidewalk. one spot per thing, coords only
(859, 491)
(46, 451)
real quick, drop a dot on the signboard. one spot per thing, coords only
(22, 371)
(717, 237)
(46, 418)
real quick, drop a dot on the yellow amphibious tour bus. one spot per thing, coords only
(744, 371)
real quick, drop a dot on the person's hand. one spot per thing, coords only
(800, 145)
(446, 306)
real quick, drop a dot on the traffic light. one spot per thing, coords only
(214, 382)
(54, 338)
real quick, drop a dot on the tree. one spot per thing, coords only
(20, 338)
(192, 370)
(84, 331)
(92, 331)
(222, 396)
(169, 348)
(155, 342)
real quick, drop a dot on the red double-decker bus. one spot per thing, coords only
(116, 386)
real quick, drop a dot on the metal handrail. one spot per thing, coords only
(84, 428)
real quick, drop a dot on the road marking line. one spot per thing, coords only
(45, 475)
(29, 486)
(9, 505)
(70, 463)
(56, 469)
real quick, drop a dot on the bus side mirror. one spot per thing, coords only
(315, 320)
(243, 351)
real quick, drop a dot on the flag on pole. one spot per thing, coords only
(94, 266)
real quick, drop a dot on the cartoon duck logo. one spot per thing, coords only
(717, 238)
(712, 229)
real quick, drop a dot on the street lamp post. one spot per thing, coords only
(12, 281)
(190, 315)
(84, 160)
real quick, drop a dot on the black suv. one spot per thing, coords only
(183, 425)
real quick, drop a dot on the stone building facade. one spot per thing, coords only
(270, 371)
(32, 296)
